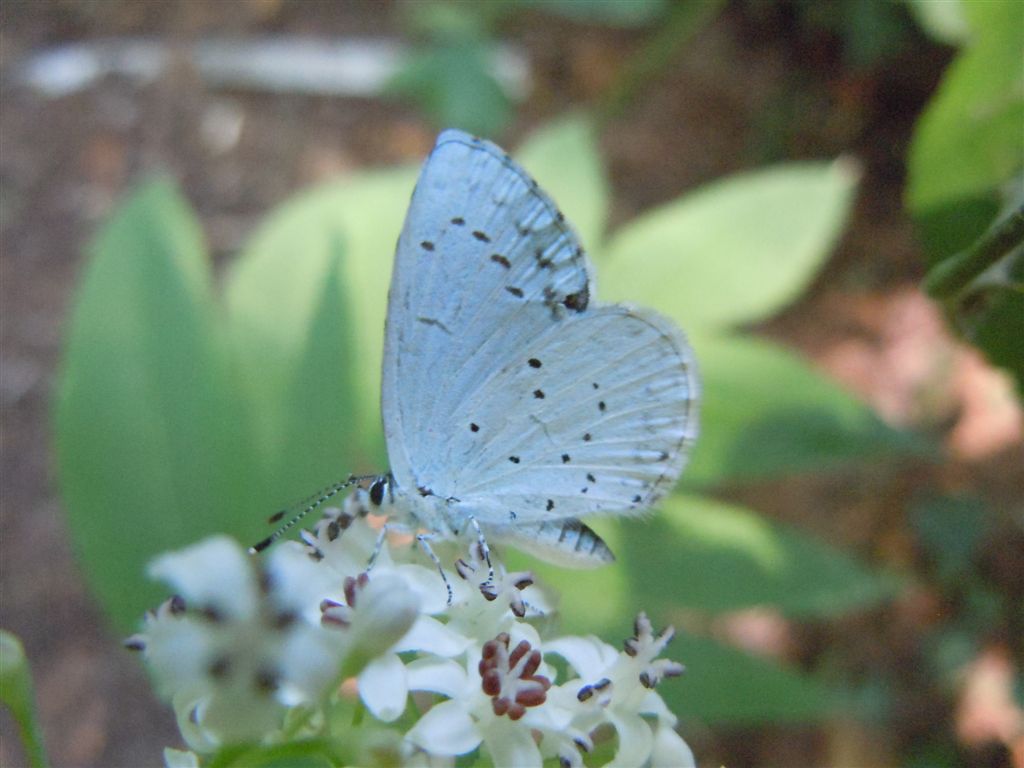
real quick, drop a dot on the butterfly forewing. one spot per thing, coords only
(485, 263)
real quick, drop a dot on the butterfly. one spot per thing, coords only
(514, 404)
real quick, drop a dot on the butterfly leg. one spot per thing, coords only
(424, 542)
(377, 547)
(485, 553)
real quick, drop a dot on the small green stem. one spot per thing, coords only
(682, 22)
(955, 273)
(16, 693)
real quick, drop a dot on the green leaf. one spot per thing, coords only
(710, 556)
(764, 412)
(452, 82)
(16, 693)
(968, 141)
(951, 528)
(614, 13)
(943, 21)
(735, 251)
(564, 158)
(312, 285)
(724, 685)
(309, 753)
(152, 448)
(994, 324)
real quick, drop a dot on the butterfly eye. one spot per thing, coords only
(377, 492)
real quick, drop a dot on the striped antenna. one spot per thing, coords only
(307, 505)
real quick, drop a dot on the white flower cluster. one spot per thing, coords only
(260, 651)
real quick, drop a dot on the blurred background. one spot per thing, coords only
(894, 637)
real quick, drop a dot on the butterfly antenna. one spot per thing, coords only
(309, 504)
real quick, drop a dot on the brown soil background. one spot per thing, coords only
(752, 88)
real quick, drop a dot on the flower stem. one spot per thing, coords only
(954, 274)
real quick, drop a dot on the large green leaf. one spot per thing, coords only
(724, 685)
(285, 309)
(615, 13)
(969, 141)
(452, 81)
(564, 158)
(151, 447)
(735, 251)
(764, 412)
(710, 556)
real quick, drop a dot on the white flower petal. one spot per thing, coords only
(431, 636)
(653, 704)
(511, 743)
(437, 676)
(429, 587)
(635, 740)
(670, 751)
(587, 655)
(384, 612)
(309, 660)
(197, 737)
(383, 687)
(178, 650)
(299, 582)
(446, 729)
(215, 573)
(349, 553)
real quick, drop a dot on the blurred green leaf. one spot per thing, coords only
(735, 251)
(453, 83)
(982, 289)
(993, 322)
(309, 753)
(764, 412)
(152, 447)
(635, 13)
(16, 693)
(950, 529)
(724, 685)
(564, 158)
(944, 21)
(707, 555)
(968, 141)
(281, 296)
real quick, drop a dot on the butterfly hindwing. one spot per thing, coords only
(602, 426)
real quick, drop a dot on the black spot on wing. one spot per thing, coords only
(601, 406)
(577, 301)
(533, 362)
(459, 221)
(483, 238)
(474, 427)
(517, 292)
(514, 459)
(586, 437)
(591, 478)
(550, 505)
(566, 458)
(497, 258)
(539, 394)
(426, 245)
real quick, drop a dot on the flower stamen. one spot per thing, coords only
(511, 679)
